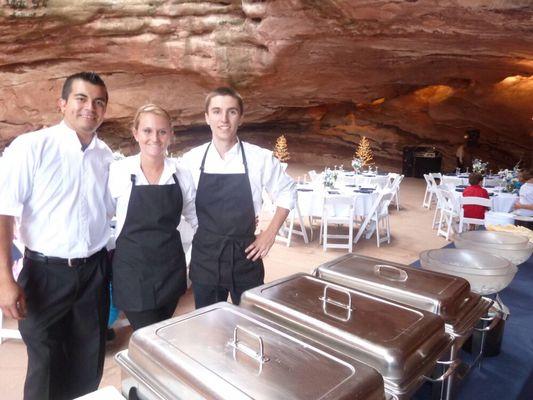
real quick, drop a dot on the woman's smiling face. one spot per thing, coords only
(153, 134)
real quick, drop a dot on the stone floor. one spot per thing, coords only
(411, 234)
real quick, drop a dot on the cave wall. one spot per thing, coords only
(325, 72)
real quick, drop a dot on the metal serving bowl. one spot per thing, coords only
(513, 247)
(486, 272)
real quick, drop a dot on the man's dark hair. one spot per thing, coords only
(224, 91)
(91, 77)
(475, 178)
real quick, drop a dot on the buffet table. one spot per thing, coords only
(510, 374)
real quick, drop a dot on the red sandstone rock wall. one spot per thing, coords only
(323, 71)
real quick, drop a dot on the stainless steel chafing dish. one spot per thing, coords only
(401, 343)
(445, 295)
(226, 352)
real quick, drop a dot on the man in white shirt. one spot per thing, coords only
(230, 176)
(54, 183)
(524, 204)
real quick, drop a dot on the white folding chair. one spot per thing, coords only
(431, 187)
(338, 209)
(288, 229)
(449, 213)
(391, 176)
(437, 215)
(476, 201)
(379, 217)
(395, 189)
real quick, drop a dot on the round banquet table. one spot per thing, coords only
(501, 202)
(311, 200)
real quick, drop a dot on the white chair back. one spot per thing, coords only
(431, 187)
(338, 209)
(474, 201)
(379, 212)
(288, 228)
(312, 175)
(395, 189)
(448, 213)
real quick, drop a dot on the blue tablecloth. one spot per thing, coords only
(509, 375)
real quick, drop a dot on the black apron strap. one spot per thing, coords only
(203, 159)
(244, 159)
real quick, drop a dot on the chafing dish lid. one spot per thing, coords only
(227, 352)
(395, 339)
(446, 295)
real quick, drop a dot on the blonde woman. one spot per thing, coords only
(151, 192)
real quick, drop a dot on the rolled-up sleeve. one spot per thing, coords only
(278, 184)
(16, 176)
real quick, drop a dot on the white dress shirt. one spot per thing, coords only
(264, 171)
(526, 197)
(120, 187)
(57, 192)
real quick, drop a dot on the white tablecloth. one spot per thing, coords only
(311, 201)
(463, 180)
(453, 180)
(364, 179)
(502, 202)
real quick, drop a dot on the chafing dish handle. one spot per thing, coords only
(495, 319)
(325, 300)
(452, 366)
(403, 275)
(258, 356)
(498, 315)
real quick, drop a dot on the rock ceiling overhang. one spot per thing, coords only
(397, 71)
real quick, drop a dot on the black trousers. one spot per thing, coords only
(140, 319)
(205, 294)
(65, 327)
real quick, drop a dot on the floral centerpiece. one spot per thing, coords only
(329, 177)
(511, 180)
(479, 166)
(357, 164)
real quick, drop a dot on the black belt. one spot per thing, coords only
(71, 262)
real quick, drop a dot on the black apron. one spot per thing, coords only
(149, 267)
(226, 226)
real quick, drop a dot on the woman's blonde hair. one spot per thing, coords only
(149, 109)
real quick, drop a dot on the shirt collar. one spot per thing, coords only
(168, 168)
(72, 139)
(230, 154)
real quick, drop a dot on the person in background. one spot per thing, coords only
(475, 190)
(54, 181)
(151, 192)
(459, 155)
(230, 176)
(524, 205)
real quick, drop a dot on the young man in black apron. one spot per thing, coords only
(230, 176)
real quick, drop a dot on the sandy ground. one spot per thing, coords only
(411, 234)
